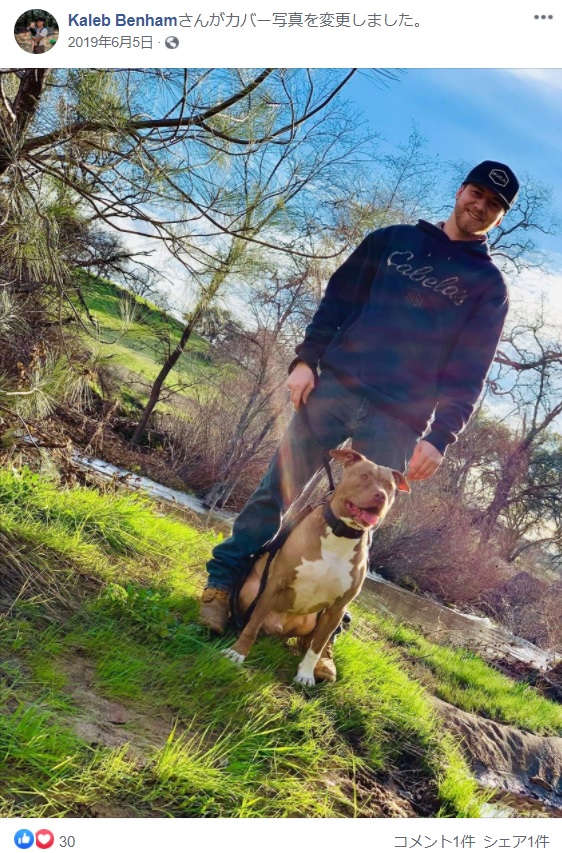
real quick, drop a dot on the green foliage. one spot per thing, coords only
(98, 97)
(20, 486)
(29, 738)
(380, 703)
(9, 314)
(120, 524)
(134, 335)
(48, 383)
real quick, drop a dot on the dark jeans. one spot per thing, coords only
(335, 414)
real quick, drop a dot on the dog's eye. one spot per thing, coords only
(364, 476)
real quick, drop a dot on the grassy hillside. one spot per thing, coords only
(117, 703)
(134, 336)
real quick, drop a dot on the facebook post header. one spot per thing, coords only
(426, 35)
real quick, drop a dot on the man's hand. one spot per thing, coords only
(300, 383)
(425, 461)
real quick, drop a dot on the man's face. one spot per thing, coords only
(477, 210)
(40, 23)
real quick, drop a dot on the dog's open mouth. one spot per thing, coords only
(369, 516)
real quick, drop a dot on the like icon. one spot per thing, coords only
(23, 839)
(44, 839)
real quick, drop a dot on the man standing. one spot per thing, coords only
(404, 337)
(40, 38)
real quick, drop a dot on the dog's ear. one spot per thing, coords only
(347, 456)
(401, 482)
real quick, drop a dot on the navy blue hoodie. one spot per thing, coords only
(411, 321)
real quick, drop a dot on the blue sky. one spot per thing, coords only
(511, 115)
(514, 116)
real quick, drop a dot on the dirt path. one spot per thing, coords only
(107, 723)
(502, 757)
(103, 722)
(508, 759)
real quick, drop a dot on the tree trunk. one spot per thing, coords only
(22, 113)
(515, 466)
(236, 250)
(156, 389)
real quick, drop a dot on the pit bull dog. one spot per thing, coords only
(321, 566)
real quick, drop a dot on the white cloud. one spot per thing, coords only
(535, 286)
(547, 79)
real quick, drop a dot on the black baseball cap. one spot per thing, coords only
(497, 177)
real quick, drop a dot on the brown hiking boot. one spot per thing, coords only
(325, 669)
(215, 609)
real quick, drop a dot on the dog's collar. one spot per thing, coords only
(339, 527)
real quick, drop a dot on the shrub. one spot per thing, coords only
(199, 441)
(430, 543)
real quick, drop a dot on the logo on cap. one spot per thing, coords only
(499, 177)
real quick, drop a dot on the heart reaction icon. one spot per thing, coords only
(44, 839)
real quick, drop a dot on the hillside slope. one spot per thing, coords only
(132, 337)
(116, 703)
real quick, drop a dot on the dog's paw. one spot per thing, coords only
(303, 678)
(234, 656)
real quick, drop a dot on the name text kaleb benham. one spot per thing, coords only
(120, 20)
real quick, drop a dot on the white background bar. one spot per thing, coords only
(499, 34)
(119, 835)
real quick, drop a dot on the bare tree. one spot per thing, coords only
(263, 351)
(514, 243)
(154, 154)
(529, 376)
(158, 175)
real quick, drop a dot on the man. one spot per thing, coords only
(404, 337)
(40, 38)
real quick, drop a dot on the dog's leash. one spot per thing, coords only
(271, 549)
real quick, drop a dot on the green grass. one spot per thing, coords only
(113, 621)
(464, 679)
(120, 524)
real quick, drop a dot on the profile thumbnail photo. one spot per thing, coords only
(36, 31)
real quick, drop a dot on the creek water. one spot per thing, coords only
(515, 805)
(107, 471)
(444, 624)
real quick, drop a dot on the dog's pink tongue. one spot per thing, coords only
(368, 516)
